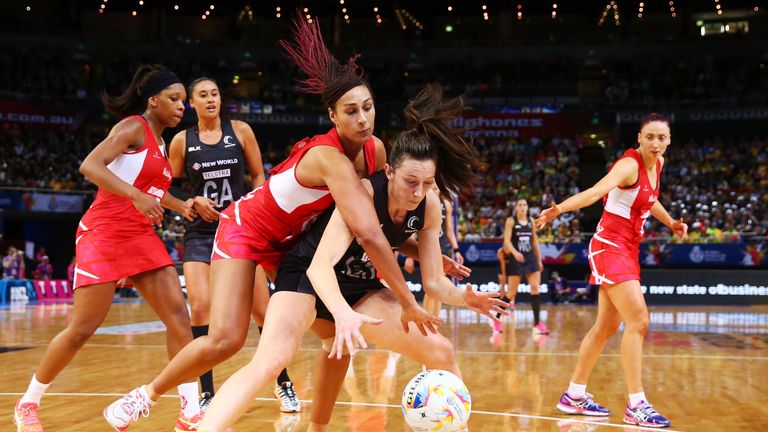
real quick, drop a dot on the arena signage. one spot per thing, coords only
(700, 115)
(522, 125)
(20, 112)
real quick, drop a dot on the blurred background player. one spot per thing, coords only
(524, 260)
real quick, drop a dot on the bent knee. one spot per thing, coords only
(441, 353)
(224, 345)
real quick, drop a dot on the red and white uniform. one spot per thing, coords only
(113, 239)
(615, 247)
(267, 222)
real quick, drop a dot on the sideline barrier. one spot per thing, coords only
(660, 286)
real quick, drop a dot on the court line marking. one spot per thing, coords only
(501, 353)
(490, 413)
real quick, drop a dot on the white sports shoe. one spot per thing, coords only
(289, 401)
(126, 410)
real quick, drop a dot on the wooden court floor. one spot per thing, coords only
(704, 368)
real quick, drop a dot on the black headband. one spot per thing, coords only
(159, 81)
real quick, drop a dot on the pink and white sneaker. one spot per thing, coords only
(540, 328)
(126, 410)
(25, 417)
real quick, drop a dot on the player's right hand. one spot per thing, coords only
(150, 207)
(348, 325)
(421, 318)
(518, 256)
(206, 208)
(547, 215)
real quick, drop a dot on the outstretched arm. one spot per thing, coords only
(335, 241)
(624, 173)
(356, 207)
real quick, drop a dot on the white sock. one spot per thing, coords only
(145, 393)
(636, 398)
(577, 391)
(190, 399)
(34, 392)
(389, 371)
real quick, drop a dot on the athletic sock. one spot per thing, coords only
(34, 392)
(536, 306)
(206, 379)
(636, 398)
(283, 377)
(577, 391)
(189, 398)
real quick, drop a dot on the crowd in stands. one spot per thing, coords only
(712, 80)
(719, 187)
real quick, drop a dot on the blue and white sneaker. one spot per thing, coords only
(584, 406)
(644, 415)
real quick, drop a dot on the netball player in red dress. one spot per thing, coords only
(329, 264)
(630, 194)
(264, 224)
(115, 238)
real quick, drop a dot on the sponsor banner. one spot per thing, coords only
(722, 114)
(52, 288)
(53, 203)
(660, 286)
(285, 119)
(705, 286)
(49, 115)
(705, 255)
(651, 255)
(519, 125)
(41, 202)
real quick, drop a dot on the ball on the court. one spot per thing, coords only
(436, 400)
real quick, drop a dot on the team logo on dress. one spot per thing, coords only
(411, 224)
(167, 173)
(194, 149)
(196, 166)
(228, 141)
(652, 199)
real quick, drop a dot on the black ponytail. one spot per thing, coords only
(131, 101)
(429, 137)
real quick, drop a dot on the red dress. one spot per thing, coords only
(114, 239)
(615, 247)
(267, 222)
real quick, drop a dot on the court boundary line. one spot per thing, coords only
(371, 404)
(502, 353)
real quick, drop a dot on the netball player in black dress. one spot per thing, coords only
(522, 247)
(343, 276)
(212, 155)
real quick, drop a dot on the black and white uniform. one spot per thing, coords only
(522, 239)
(354, 271)
(215, 171)
(445, 245)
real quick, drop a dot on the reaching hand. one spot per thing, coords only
(409, 265)
(547, 216)
(424, 320)
(188, 210)
(348, 326)
(150, 207)
(680, 228)
(459, 258)
(455, 268)
(484, 303)
(206, 208)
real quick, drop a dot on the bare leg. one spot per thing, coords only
(260, 296)
(231, 298)
(432, 305)
(628, 299)
(196, 275)
(161, 289)
(606, 325)
(289, 315)
(434, 350)
(328, 379)
(91, 304)
(513, 282)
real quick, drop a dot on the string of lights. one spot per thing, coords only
(554, 10)
(485, 12)
(613, 8)
(519, 11)
(718, 7)
(640, 8)
(672, 10)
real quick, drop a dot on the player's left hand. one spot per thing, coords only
(188, 210)
(485, 303)
(454, 268)
(680, 228)
(348, 325)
